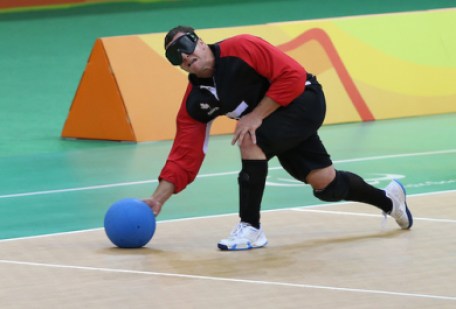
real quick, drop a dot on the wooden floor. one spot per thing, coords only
(336, 256)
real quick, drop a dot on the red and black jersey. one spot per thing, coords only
(247, 68)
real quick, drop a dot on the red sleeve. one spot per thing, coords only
(286, 75)
(187, 153)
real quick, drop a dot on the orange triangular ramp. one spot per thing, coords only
(98, 110)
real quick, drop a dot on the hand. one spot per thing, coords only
(161, 194)
(155, 205)
(246, 125)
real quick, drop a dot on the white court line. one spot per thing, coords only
(233, 280)
(122, 184)
(112, 185)
(359, 214)
(302, 208)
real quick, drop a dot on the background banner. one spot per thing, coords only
(371, 67)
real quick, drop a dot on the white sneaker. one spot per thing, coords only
(243, 237)
(400, 212)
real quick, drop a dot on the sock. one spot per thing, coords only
(251, 180)
(360, 191)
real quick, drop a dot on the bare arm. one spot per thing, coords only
(161, 194)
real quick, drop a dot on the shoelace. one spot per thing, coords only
(239, 229)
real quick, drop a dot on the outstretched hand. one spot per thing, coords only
(155, 205)
(161, 194)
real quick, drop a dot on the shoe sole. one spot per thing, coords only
(235, 248)
(407, 211)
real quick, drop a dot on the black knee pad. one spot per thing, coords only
(253, 172)
(336, 191)
(243, 178)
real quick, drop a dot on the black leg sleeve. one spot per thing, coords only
(360, 191)
(251, 180)
(351, 187)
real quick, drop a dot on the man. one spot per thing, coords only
(279, 108)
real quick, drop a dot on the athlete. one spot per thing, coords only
(279, 108)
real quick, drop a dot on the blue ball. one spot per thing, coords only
(129, 223)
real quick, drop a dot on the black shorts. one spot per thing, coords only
(290, 133)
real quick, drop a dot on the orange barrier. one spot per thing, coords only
(127, 93)
(130, 92)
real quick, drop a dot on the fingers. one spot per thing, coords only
(156, 210)
(253, 137)
(235, 139)
(154, 205)
(239, 137)
(247, 125)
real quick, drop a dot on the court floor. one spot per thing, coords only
(54, 193)
(334, 256)
(54, 253)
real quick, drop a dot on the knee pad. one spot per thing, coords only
(253, 172)
(336, 191)
(243, 178)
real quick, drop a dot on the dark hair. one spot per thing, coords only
(171, 33)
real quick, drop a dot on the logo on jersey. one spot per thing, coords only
(207, 107)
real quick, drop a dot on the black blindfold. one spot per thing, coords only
(185, 44)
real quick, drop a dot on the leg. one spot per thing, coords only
(351, 187)
(346, 186)
(248, 234)
(251, 181)
(310, 163)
